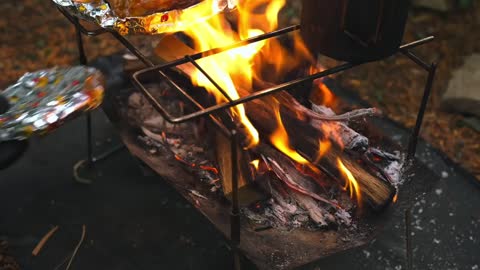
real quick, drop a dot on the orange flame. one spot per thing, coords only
(280, 140)
(235, 70)
(255, 164)
(351, 183)
(322, 94)
(323, 147)
(232, 68)
(328, 98)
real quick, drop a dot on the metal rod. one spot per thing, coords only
(417, 43)
(416, 59)
(81, 50)
(408, 239)
(235, 211)
(255, 95)
(211, 52)
(108, 153)
(412, 144)
(157, 106)
(83, 61)
(219, 88)
(90, 158)
(247, 41)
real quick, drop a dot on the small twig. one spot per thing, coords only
(63, 262)
(84, 230)
(346, 116)
(43, 241)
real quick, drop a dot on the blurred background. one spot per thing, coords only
(35, 36)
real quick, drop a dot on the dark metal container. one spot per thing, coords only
(354, 30)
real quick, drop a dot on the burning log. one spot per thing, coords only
(306, 130)
(376, 191)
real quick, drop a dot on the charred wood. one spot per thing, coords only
(306, 131)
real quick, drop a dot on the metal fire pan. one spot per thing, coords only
(272, 248)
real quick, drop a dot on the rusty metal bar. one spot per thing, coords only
(156, 105)
(255, 95)
(413, 142)
(78, 25)
(235, 210)
(219, 88)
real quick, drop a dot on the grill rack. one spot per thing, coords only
(230, 130)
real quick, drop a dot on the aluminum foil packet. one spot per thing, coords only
(43, 100)
(101, 13)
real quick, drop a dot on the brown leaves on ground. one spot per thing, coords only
(395, 85)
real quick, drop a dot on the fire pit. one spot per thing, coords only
(306, 183)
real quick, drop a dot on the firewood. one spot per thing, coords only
(288, 173)
(375, 190)
(304, 134)
(315, 212)
(247, 194)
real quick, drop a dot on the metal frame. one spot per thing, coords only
(210, 111)
(91, 159)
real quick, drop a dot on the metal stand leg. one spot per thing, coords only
(235, 212)
(89, 163)
(431, 69)
(408, 239)
(412, 145)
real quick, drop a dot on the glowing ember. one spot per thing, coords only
(351, 183)
(395, 198)
(193, 165)
(209, 168)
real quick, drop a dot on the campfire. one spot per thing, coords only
(240, 119)
(313, 170)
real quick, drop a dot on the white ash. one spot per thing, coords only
(394, 171)
(344, 217)
(179, 141)
(349, 136)
(187, 143)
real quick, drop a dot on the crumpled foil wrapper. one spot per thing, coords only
(43, 100)
(100, 12)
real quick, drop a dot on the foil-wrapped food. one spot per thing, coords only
(41, 101)
(135, 8)
(145, 16)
